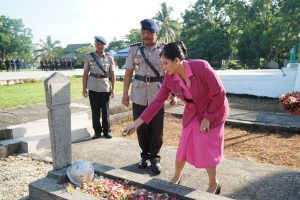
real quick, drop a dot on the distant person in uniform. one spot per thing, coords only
(69, 64)
(143, 58)
(7, 64)
(56, 64)
(206, 110)
(12, 65)
(98, 83)
(42, 65)
(1, 63)
(18, 64)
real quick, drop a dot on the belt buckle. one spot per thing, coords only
(147, 79)
(98, 76)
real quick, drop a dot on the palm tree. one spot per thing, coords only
(169, 28)
(48, 49)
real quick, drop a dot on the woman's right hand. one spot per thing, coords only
(129, 129)
(132, 127)
(84, 93)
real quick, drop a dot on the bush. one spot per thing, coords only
(232, 64)
(78, 65)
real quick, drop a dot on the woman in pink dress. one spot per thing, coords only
(206, 109)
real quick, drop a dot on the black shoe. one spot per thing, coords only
(108, 135)
(156, 168)
(96, 137)
(178, 182)
(218, 189)
(143, 164)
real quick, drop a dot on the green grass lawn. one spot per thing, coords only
(31, 93)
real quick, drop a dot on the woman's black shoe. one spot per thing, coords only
(218, 189)
(178, 182)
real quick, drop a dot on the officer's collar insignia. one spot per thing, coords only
(136, 44)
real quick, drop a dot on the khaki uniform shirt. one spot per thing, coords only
(143, 93)
(99, 84)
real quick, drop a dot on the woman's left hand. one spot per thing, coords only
(204, 125)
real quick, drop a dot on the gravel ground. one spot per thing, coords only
(16, 172)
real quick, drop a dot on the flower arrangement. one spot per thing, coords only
(291, 102)
(113, 189)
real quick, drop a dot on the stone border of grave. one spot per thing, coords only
(50, 187)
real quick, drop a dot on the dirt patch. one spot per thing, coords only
(258, 146)
(254, 103)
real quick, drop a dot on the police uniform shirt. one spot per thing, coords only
(99, 84)
(143, 93)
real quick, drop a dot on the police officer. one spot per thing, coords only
(7, 64)
(143, 58)
(99, 79)
(18, 64)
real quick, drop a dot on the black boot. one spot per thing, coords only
(108, 135)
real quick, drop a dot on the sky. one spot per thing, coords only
(78, 21)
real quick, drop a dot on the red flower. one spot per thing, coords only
(290, 102)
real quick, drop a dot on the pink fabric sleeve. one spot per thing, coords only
(156, 104)
(216, 93)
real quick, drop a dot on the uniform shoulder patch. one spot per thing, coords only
(136, 44)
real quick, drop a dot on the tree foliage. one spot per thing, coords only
(169, 29)
(81, 52)
(48, 49)
(15, 39)
(133, 36)
(117, 45)
(205, 31)
(255, 31)
(264, 30)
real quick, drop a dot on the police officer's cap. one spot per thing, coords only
(150, 25)
(101, 39)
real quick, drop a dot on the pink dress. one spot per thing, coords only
(202, 150)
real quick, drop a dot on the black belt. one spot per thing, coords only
(148, 79)
(98, 75)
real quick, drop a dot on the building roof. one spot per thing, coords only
(74, 47)
(71, 55)
(122, 53)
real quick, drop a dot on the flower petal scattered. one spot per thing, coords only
(113, 189)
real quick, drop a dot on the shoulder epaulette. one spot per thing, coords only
(162, 44)
(108, 54)
(136, 44)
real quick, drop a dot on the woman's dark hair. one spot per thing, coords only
(174, 50)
